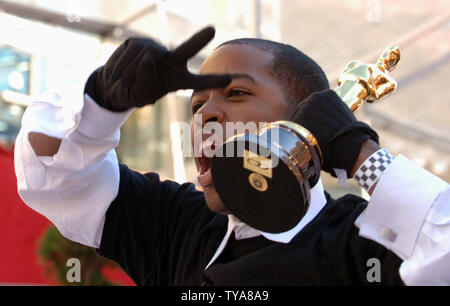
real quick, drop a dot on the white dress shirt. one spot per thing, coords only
(408, 213)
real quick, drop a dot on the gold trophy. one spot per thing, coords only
(362, 82)
(274, 196)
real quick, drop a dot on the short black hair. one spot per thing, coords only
(299, 74)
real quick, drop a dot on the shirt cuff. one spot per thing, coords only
(399, 205)
(97, 122)
(430, 262)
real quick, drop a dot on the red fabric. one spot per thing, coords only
(20, 230)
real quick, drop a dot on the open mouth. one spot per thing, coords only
(204, 169)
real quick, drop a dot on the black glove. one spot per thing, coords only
(141, 71)
(339, 134)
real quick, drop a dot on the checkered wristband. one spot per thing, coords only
(372, 169)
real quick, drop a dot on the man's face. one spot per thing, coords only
(252, 96)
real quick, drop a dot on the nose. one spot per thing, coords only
(213, 109)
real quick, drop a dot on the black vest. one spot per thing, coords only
(162, 233)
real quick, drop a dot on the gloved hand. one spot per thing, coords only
(339, 134)
(141, 71)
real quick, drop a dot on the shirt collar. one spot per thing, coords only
(318, 201)
(244, 231)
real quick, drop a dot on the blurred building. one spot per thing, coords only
(415, 120)
(51, 45)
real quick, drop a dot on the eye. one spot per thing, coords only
(237, 93)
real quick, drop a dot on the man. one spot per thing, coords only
(163, 233)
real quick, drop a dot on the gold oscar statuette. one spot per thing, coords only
(361, 82)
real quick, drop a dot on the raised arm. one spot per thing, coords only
(65, 161)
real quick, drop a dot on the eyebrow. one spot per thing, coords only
(242, 76)
(233, 77)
